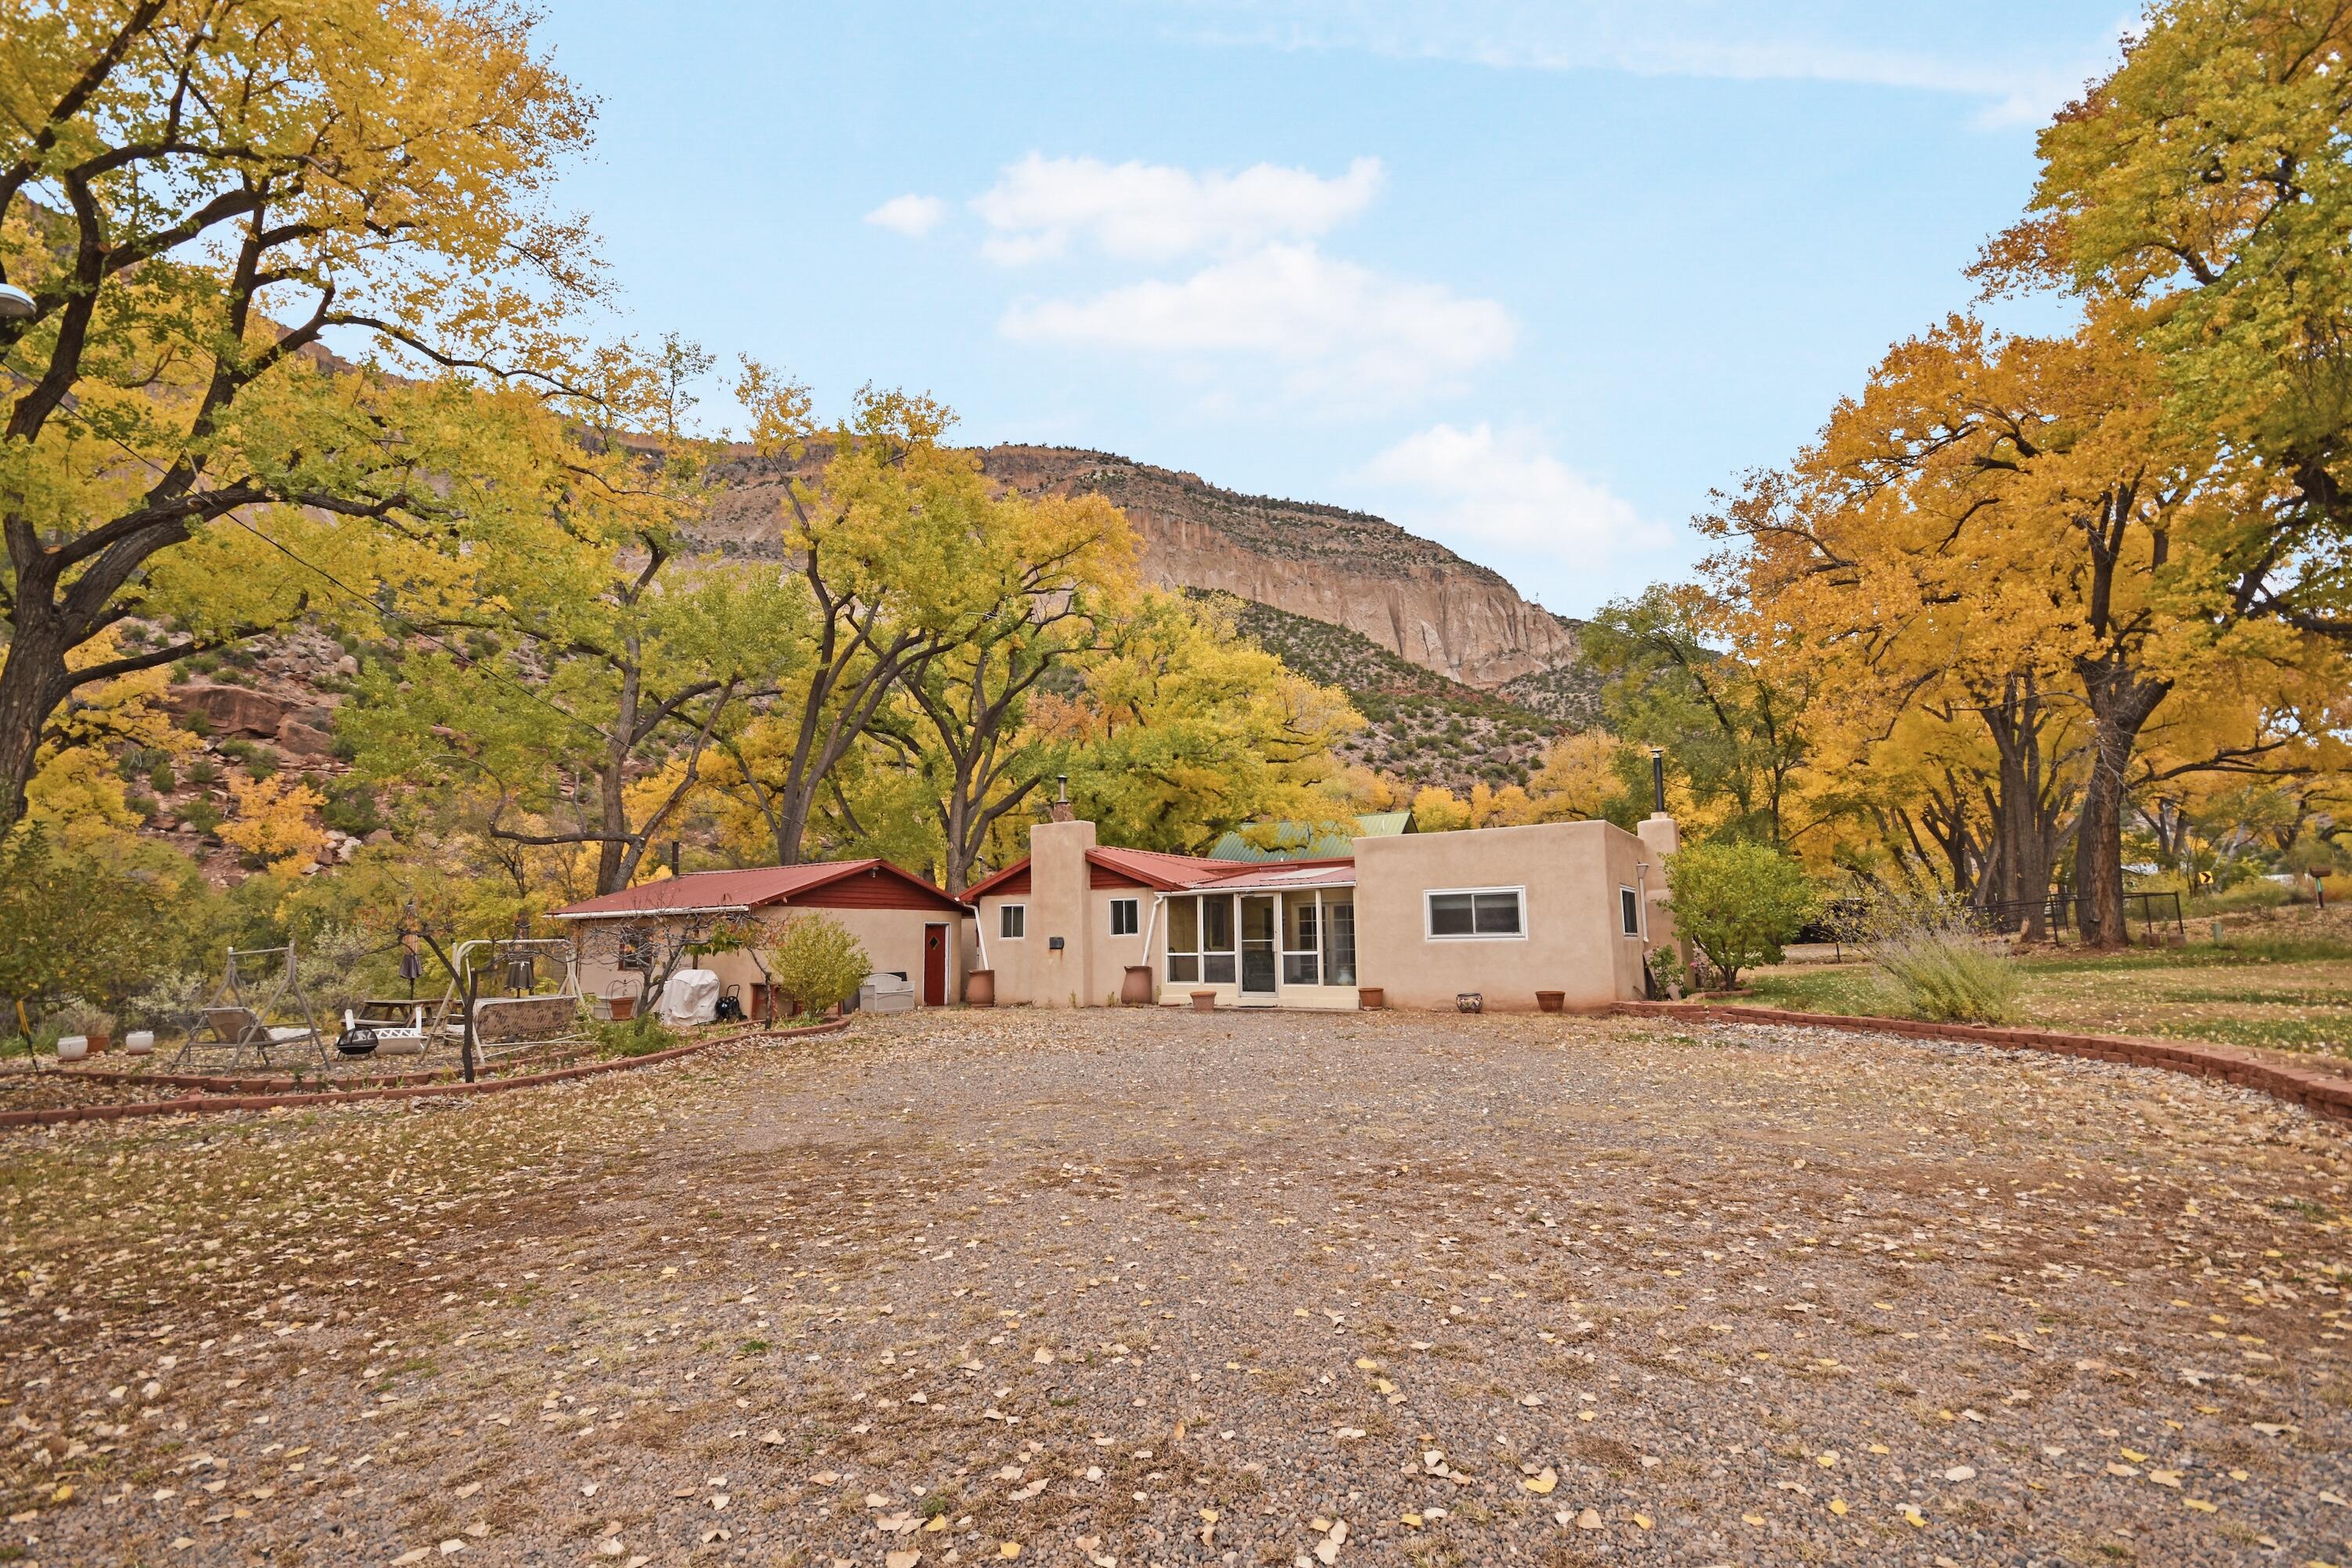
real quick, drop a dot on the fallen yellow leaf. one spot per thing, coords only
(1008, 1549)
(1837, 1507)
(1542, 1485)
(1644, 1520)
(2201, 1505)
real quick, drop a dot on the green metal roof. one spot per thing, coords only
(1298, 841)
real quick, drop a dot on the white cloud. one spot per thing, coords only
(1479, 487)
(1040, 206)
(1341, 333)
(1861, 42)
(909, 214)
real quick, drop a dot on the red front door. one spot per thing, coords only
(935, 966)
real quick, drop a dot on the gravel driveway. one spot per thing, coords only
(1172, 1289)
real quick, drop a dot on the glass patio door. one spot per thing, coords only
(1258, 935)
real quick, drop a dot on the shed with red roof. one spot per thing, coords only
(909, 927)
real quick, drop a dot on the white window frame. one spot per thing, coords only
(1429, 916)
(1134, 917)
(1640, 914)
(1004, 912)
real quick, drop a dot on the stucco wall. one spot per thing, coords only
(1092, 963)
(893, 940)
(1570, 871)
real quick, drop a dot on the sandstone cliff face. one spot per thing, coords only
(1412, 596)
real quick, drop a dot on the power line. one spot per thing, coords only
(402, 623)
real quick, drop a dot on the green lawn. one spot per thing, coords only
(2283, 991)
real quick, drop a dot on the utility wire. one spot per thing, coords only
(402, 624)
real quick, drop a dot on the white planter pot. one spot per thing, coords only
(140, 1043)
(72, 1047)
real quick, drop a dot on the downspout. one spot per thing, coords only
(980, 935)
(1150, 924)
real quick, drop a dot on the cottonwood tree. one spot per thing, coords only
(198, 193)
(2195, 201)
(901, 556)
(2016, 517)
(1059, 568)
(1179, 731)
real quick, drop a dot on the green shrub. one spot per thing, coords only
(817, 962)
(1935, 963)
(161, 779)
(1739, 902)
(638, 1037)
(203, 772)
(203, 814)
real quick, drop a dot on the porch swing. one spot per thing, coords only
(238, 1016)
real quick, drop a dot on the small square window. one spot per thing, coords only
(1125, 917)
(1012, 922)
(1629, 911)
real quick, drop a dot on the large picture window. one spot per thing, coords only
(1012, 922)
(1471, 914)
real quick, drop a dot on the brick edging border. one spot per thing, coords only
(2323, 1094)
(205, 1105)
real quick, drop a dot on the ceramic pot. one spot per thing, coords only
(72, 1047)
(979, 988)
(1551, 1001)
(1372, 998)
(624, 1008)
(1136, 989)
(1204, 1001)
(140, 1043)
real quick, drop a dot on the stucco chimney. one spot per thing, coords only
(1060, 882)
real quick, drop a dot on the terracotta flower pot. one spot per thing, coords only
(1372, 998)
(1204, 1001)
(1551, 1001)
(979, 988)
(624, 1008)
(98, 1043)
(1135, 990)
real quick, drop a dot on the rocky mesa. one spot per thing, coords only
(1412, 596)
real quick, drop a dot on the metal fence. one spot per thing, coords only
(2152, 913)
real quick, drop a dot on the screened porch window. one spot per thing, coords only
(1201, 949)
(1302, 953)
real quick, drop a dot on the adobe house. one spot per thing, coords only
(1506, 912)
(907, 926)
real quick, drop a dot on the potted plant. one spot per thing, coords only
(170, 1002)
(76, 1017)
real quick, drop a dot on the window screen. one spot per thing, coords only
(1476, 914)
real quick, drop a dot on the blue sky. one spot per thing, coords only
(1529, 279)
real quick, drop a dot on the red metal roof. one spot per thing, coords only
(1160, 870)
(749, 889)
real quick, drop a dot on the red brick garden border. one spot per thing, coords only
(2323, 1094)
(200, 1104)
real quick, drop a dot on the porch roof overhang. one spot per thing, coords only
(1302, 879)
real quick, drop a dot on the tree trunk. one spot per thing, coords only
(33, 681)
(2024, 827)
(2120, 702)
